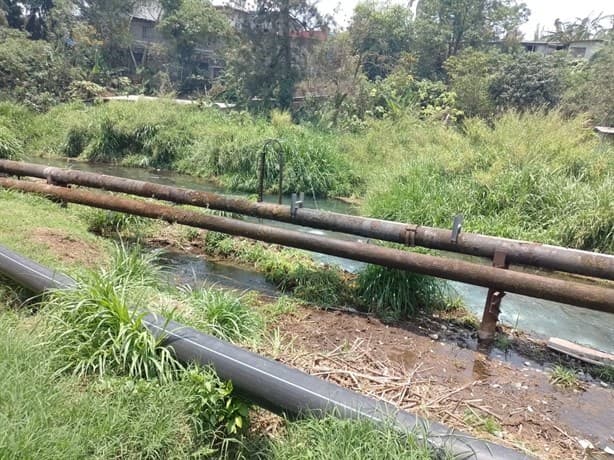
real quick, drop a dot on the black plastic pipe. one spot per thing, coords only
(517, 252)
(579, 294)
(271, 384)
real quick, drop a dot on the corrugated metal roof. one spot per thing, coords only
(150, 11)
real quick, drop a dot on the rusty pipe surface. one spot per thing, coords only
(582, 295)
(517, 252)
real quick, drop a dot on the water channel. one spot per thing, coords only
(540, 317)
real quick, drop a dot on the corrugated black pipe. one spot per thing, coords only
(269, 383)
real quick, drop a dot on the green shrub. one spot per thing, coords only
(397, 294)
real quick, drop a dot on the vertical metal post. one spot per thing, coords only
(490, 317)
(261, 175)
(281, 174)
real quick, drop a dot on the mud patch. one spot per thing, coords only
(68, 248)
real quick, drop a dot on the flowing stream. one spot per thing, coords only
(541, 317)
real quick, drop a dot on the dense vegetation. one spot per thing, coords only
(539, 176)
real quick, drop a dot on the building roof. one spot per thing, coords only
(149, 11)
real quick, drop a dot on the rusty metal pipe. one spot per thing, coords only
(517, 252)
(583, 295)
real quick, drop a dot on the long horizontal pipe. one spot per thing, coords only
(517, 252)
(583, 295)
(269, 383)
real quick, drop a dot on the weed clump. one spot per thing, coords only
(10, 146)
(221, 314)
(396, 294)
(564, 377)
(93, 329)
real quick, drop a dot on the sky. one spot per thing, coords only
(543, 12)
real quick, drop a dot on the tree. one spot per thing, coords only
(528, 81)
(332, 69)
(470, 74)
(380, 34)
(445, 27)
(590, 88)
(271, 59)
(580, 29)
(13, 13)
(191, 27)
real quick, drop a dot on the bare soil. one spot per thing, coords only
(412, 367)
(68, 248)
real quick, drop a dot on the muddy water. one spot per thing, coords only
(547, 319)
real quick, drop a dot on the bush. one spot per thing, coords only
(32, 71)
(528, 81)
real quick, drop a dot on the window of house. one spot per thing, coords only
(577, 51)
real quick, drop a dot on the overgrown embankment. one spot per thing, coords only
(534, 176)
(207, 143)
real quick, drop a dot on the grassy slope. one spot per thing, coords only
(25, 219)
(45, 415)
(59, 417)
(536, 177)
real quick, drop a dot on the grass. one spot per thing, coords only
(24, 216)
(486, 423)
(94, 330)
(564, 377)
(203, 142)
(604, 373)
(291, 270)
(332, 439)
(535, 176)
(503, 342)
(110, 223)
(398, 294)
(221, 314)
(101, 418)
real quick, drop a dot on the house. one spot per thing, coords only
(583, 49)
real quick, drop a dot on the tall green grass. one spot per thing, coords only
(533, 176)
(221, 314)
(46, 414)
(203, 142)
(93, 328)
(398, 294)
